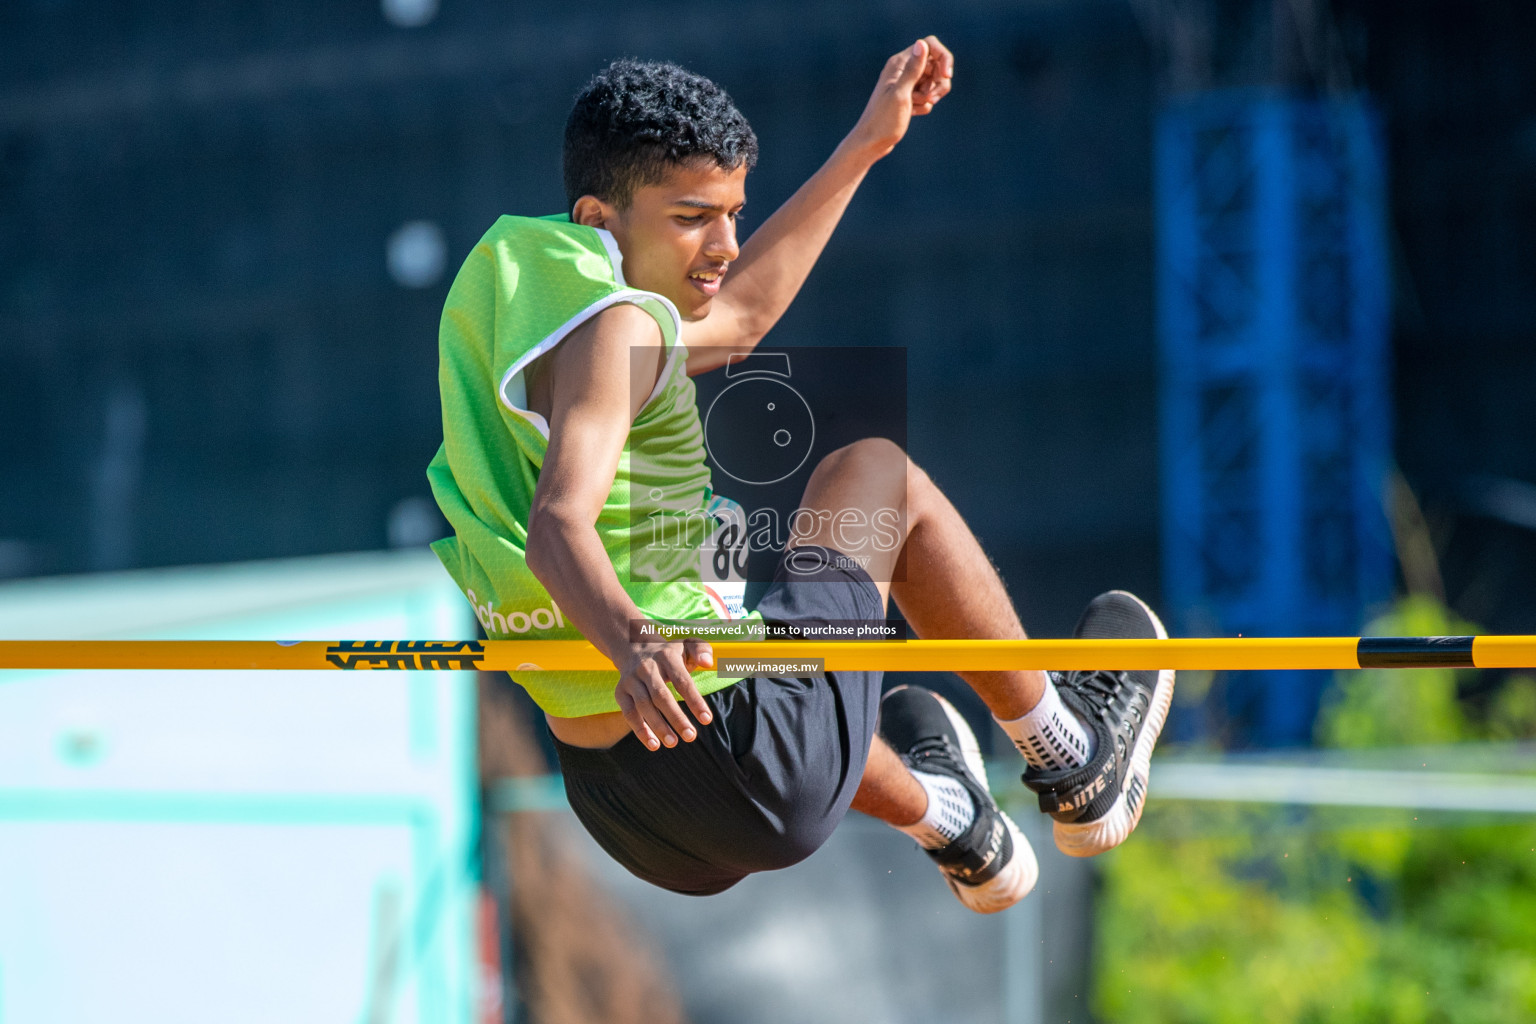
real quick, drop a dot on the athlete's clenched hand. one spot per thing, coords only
(651, 710)
(910, 84)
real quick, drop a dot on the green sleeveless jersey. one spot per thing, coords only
(528, 283)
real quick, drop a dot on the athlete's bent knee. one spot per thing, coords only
(879, 451)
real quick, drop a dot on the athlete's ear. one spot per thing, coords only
(592, 212)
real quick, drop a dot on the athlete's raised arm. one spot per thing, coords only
(591, 393)
(775, 261)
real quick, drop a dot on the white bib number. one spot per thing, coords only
(723, 558)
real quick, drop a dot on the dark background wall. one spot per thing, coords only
(204, 357)
(1458, 89)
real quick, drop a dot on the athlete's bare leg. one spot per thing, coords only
(888, 791)
(936, 571)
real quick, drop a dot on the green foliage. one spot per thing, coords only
(1512, 712)
(1226, 914)
(1212, 916)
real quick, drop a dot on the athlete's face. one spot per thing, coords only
(678, 237)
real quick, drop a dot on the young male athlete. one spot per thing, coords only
(571, 431)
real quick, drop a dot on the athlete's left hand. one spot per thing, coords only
(911, 84)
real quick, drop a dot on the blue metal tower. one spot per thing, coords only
(1273, 307)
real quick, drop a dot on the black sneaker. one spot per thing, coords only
(1098, 805)
(990, 867)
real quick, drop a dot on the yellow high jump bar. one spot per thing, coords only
(908, 655)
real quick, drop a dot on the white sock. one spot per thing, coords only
(950, 812)
(1051, 737)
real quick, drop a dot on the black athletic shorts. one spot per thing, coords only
(766, 782)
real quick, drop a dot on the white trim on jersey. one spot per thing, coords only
(513, 390)
(615, 257)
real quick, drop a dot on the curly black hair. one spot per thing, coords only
(636, 119)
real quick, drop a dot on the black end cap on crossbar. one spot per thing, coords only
(1415, 652)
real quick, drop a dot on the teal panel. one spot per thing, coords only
(238, 845)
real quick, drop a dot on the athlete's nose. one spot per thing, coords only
(721, 244)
